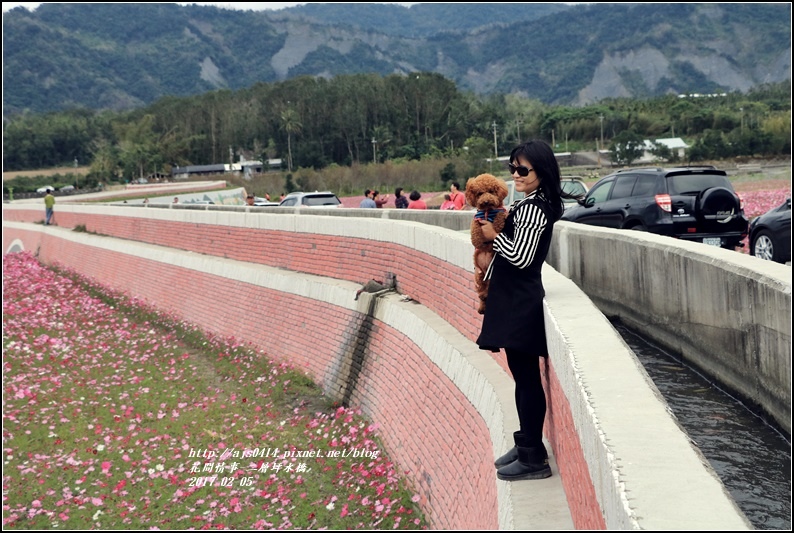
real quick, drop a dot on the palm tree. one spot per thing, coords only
(291, 124)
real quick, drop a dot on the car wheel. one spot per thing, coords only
(639, 227)
(763, 246)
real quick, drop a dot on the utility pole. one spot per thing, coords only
(374, 157)
(741, 110)
(495, 154)
(601, 118)
(598, 151)
(518, 128)
(553, 143)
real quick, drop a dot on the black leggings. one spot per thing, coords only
(530, 398)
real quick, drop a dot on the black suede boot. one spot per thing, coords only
(532, 463)
(511, 455)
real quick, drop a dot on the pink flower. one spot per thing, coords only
(105, 466)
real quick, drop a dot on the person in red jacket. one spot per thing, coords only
(457, 197)
(416, 201)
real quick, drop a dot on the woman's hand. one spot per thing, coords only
(487, 230)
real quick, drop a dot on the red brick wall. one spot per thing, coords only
(561, 432)
(446, 289)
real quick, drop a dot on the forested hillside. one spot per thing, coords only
(123, 56)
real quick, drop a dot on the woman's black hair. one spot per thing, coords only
(541, 157)
(398, 191)
(414, 196)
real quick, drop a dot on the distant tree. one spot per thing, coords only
(662, 151)
(105, 161)
(448, 174)
(477, 150)
(627, 146)
(289, 185)
(290, 122)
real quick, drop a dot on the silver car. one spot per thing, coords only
(311, 199)
(569, 184)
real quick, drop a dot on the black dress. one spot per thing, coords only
(514, 308)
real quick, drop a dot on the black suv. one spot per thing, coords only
(691, 203)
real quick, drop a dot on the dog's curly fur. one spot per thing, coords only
(485, 192)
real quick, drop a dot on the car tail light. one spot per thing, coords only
(741, 202)
(665, 202)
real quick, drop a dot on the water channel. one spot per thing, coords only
(751, 457)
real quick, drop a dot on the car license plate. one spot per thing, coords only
(713, 241)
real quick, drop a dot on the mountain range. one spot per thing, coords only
(119, 56)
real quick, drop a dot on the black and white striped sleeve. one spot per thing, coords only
(529, 222)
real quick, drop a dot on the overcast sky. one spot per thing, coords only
(256, 6)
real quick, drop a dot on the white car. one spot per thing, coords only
(264, 202)
(43, 190)
(311, 199)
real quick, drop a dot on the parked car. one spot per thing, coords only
(770, 234)
(311, 199)
(43, 190)
(67, 188)
(264, 202)
(569, 184)
(691, 203)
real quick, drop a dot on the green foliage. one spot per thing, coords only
(289, 185)
(422, 20)
(29, 184)
(125, 56)
(310, 123)
(626, 147)
(448, 174)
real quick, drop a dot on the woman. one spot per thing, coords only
(513, 318)
(379, 201)
(416, 201)
(448, 204)
(400, 200)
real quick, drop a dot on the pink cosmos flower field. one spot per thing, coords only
(119, 417)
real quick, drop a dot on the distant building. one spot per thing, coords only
(183, 173)
(246, 168)
(676, 145)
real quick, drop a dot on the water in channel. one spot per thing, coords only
(752, 458)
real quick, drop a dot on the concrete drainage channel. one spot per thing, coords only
(750, 456)
(343, 377)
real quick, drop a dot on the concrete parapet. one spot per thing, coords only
(726, 313)
(288, 286)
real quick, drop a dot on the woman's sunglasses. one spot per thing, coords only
(522, 170)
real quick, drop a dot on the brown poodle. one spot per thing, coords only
(486, 193)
